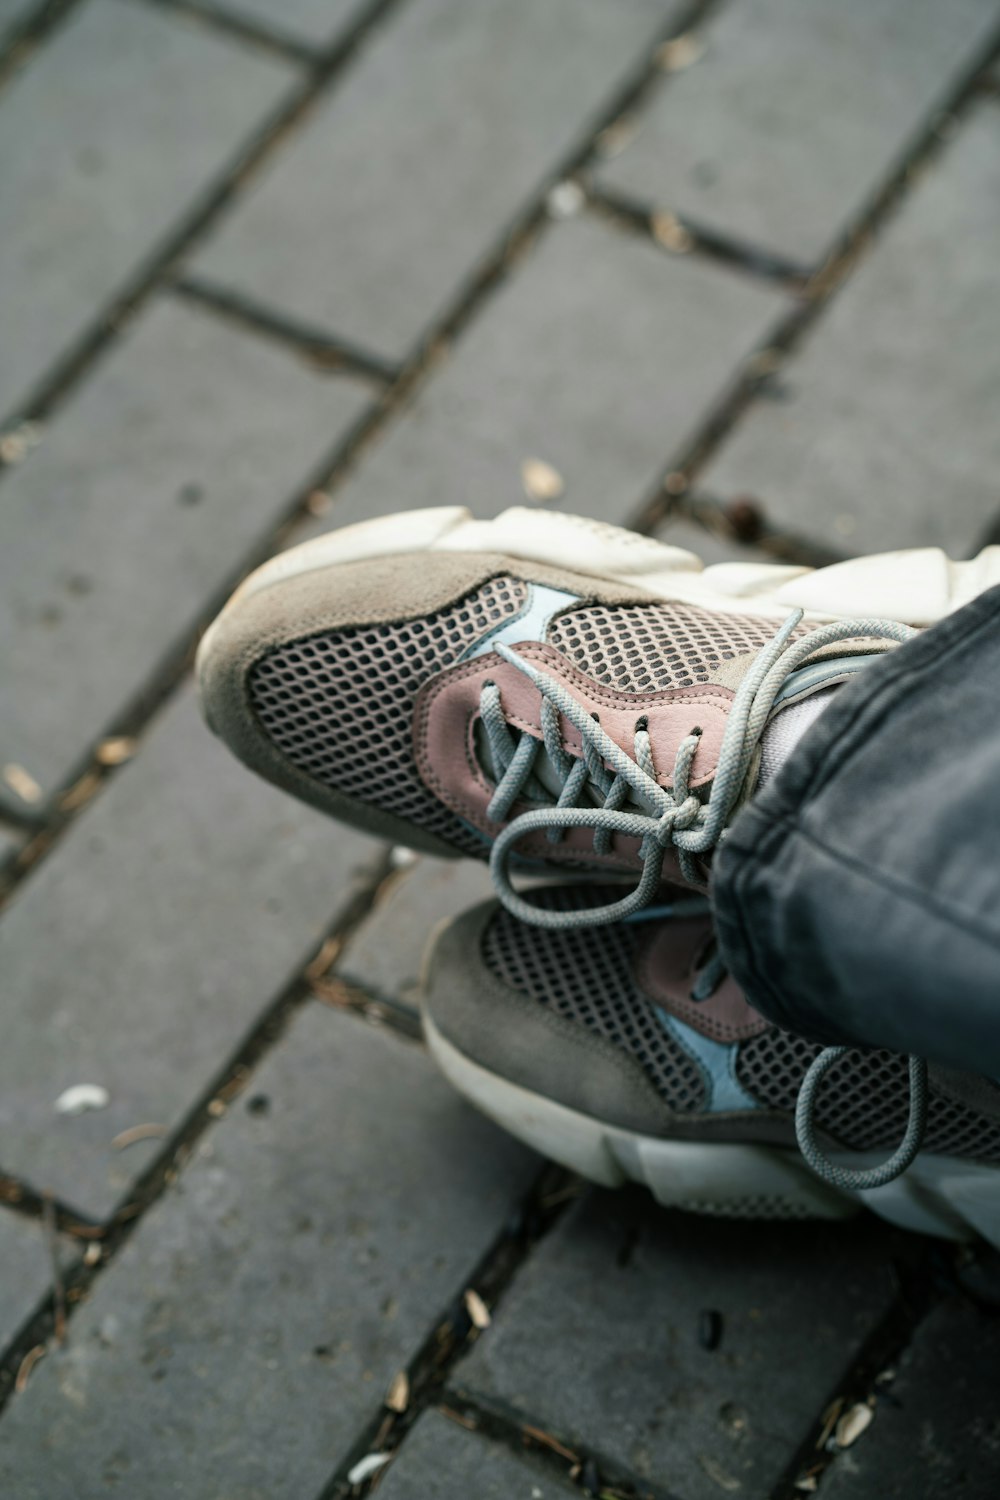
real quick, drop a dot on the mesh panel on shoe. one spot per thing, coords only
(584, 975)
(654, 647)
(339, 704)
(864, 1100)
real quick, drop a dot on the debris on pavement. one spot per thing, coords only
(367, 1466)
(565, 200)
(397, 1397)
(116, 751)
(680, 53)
(541, 481)
(81, 1097)
(150, 1131)
(22, 783)
(852, 1424)
(478, 1312)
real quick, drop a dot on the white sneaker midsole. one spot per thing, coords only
(940, 1195)
(915, 587)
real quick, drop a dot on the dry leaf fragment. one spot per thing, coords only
(830, 1417)
(22, 783)
(216, 1108)
(116, 751)
(397, 1397)
(539, 1435)
(680, 53)
(318, 966)
(852, 1424)
(367, 1466)
(670, 232)
(612, 141)
(234, 1085)
(318, 503)
(80, 792)
(541, 481)
(80, 1097)
(477, 1309)
(469, 1423)
(26, 1366)
(147, 1132)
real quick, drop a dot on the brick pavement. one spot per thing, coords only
(271, 268)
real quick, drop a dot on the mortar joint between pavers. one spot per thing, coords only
(177, 1149)
(229, 23)
(454, 1332)
(849, 248)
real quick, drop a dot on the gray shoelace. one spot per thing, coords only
(858, 1179)
(669, 817)
(851, 1179)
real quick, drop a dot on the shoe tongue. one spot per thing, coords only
(811, 691)
(784, 732)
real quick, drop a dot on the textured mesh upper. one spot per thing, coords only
(584, 975)
(637, 648)
(864, 1099)
(339, 704)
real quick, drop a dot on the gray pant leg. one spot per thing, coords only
(858, 896)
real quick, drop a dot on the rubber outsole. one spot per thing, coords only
(939, 1195)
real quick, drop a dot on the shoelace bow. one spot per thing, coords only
(672, 816)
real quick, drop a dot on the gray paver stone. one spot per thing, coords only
(25, 1270)
(321, 22)
(795, 114)
(386, 953)
(253, 1324)
(442, 1460)
(111, 131)
(138, 956)
(796, 1303)
(888, 429)
(598, 357)
(186, 445)
(936, 1430)
(371, 221)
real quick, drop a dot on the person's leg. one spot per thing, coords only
(857, 897)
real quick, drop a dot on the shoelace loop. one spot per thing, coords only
(853, 1179)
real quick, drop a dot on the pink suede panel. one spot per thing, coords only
(666, 969)
(448, 706)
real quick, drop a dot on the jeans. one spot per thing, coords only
(857, 897)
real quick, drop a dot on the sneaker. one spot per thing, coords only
(623, 1052)
(593, 698)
